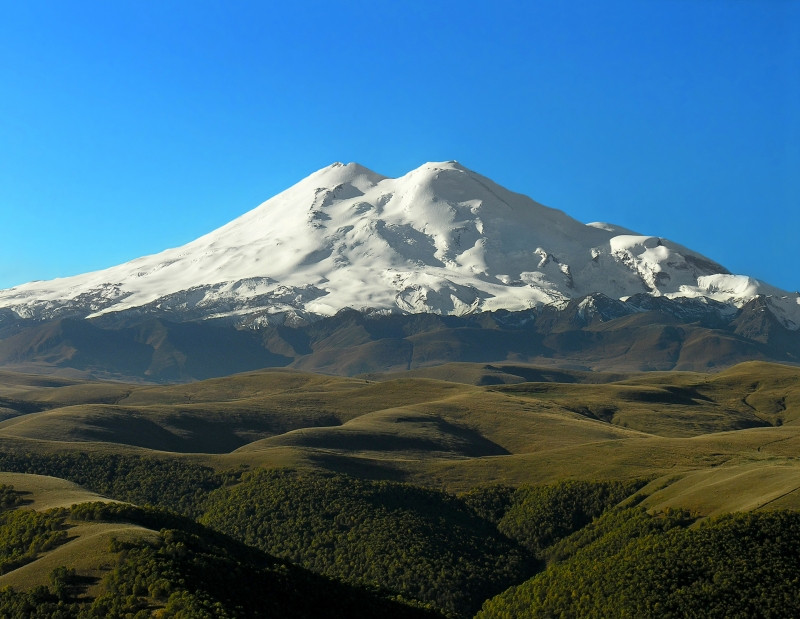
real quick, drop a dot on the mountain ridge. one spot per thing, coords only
(441, 239)
(594, 333)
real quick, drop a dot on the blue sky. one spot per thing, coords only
(130, 127)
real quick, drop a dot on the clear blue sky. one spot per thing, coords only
(130, 126)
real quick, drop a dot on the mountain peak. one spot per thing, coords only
(344, 174)
(443, 165)
(433, 168)
(440, 239)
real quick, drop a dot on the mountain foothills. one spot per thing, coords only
(427, 493)
(595, 333)
(416, 397)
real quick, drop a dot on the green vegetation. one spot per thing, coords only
(539, 516)
(40, 602)
(199, 541)
(148, 517)
(9, 497)
(406, 551)
(200, 576)
(422, 544)
(633, 564)
(25, 533)
(172, 484)
(193, 572)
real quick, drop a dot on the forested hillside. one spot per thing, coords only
(633, 564)
(307, 543)
(172, 484)
(423, 544)
(539, 516)
(185, 571)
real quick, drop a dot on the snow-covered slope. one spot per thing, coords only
(440, 239)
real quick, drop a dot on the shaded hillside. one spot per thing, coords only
(631, 563)
(423, 544)
(102, 559)
(151, 350)
(595, 333)
(539, 516)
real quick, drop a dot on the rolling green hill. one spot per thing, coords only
(567, 424)
(439, 486)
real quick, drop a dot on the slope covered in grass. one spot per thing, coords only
(556, 407)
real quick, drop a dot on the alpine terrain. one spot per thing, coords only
(422, 397)
(441, 239)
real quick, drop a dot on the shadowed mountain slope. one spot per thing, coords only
(595, 333)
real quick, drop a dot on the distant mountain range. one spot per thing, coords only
(333, 273)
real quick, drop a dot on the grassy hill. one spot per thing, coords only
(84, 546)
(410, 426)
(484, 468)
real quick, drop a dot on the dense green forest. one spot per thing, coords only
(633, 564)
(169, 483)
(308, 543)
(539, 516)
(444, 552)
(193, 572)
(423, 544)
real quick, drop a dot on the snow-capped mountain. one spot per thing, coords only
(441, 239)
